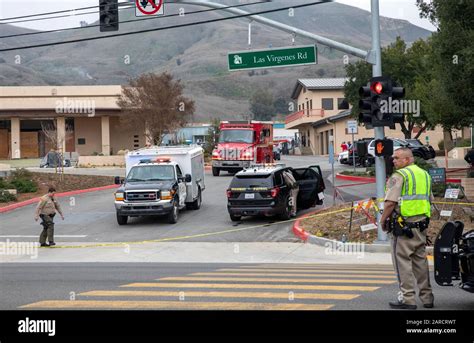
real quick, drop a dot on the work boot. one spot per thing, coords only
(401, 305)
(52, 243)
(44, 245)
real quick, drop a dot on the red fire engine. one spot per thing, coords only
(242, 143)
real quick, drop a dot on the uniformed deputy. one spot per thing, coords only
(46, 210)
(294, 188)
(406, 214)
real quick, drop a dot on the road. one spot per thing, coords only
(90, 217)
(194, 286)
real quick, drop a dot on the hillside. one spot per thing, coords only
(195, 54)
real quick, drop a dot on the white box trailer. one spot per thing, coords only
(190, 159)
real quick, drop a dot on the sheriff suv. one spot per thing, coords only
(261, 190)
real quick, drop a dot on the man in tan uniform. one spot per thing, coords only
(407, 188)
(46, 210)
(294, 188)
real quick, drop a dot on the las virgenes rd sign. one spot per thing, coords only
(272, 58)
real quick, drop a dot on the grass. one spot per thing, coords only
(22, 163)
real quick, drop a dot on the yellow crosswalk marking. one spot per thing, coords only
(368, 276)
(213, 294)
(177, 305)
(276, 270)
(251, 286)
(199, 278)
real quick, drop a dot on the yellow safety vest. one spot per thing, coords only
(416, 191)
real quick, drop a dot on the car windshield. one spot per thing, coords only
(236, 136)
(252, 181)
(151, 173)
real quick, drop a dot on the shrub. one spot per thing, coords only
(422, 163)
(5, 184)
(25, 186)
(439, 189)
(21, 174)
(6, 196)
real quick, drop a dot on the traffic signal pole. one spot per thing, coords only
(380, 172)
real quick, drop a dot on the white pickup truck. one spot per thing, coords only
(161, 181)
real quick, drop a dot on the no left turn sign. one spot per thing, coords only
(148, 7)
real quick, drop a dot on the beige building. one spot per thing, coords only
(322, 111)
(85, 120)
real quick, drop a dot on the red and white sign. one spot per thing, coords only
(149, 8)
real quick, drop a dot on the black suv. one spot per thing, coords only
(262, 191)
(424, 151)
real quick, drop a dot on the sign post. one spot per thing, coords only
(272, 58)
(331, 160)
(352, 129)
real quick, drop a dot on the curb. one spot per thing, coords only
(59, 195)
(372, 179)
(306, 237)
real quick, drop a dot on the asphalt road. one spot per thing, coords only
(208, 286)
(90, 217)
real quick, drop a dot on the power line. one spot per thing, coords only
(128, 21)
(62, 11)
(161, 28)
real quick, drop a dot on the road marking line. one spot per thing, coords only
(323, 266)
(199, 278)
(213, 294)
(179, 305)
(251, 286)
(368, 276)
(36, 236)
(276, 270)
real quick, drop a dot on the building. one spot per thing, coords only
(322, 111)
(85, 120)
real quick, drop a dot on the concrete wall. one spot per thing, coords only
(123, 138)
(101, 161)
(90, 129)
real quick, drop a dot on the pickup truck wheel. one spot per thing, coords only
(196, 205)
(215, 171)
(173, 215)
(122, 220)
(235, 218)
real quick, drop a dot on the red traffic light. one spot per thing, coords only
(377, 87)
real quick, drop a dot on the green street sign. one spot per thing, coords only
(272, 58)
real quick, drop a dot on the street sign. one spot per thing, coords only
(272, 58)
(351, 126)
(149, 8)
(451, 193)
(438, 175)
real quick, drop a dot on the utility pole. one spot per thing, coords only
(380, 172)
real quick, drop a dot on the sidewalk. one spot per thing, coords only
(197, 252)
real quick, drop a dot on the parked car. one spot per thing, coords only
(364, 161)
(261, 190)
(428, 150)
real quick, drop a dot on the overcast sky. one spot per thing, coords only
(401, 9)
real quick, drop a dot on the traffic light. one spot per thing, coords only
(109, 15)
(365, 106)
(376, 101)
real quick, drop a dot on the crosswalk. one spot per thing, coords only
(249, 287)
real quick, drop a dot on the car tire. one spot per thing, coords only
(215, 171)
(196, 204)
(286, 215)
(173, 215)
(235, 218)
(122, 220)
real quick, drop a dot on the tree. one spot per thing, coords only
(262, 105)
(409, 68)
(154, 104)
(453, 52)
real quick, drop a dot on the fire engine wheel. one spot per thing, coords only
(215, 171)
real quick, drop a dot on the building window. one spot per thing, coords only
(327, 103)
(342, 104)
(81, 141)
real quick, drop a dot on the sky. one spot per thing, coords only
(400, 9)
